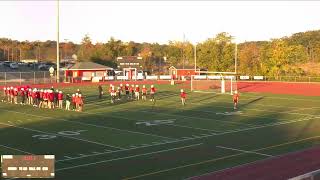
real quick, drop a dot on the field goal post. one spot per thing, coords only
(214, 82)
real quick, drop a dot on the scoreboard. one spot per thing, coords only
(27, 166)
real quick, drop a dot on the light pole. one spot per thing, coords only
(195, 57)
(235, 54)
(58, 53)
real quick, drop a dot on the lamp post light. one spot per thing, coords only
(58, 53)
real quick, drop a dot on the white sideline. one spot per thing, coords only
(240, 150)
(127, 157)
(16, 149)
(84, 140)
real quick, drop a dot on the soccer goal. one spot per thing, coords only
(214, 83)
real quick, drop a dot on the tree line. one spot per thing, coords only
(276, 57)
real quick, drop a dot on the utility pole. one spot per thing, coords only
(58, 53)
(195, 57)
(235, 58)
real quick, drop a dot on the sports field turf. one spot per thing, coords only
(161, 140)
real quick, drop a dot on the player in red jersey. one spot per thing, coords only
(235, 100)
(8, 94)
(11, 95)
(183, 96)
(80, 103)
(144, 93)
(126, 88)
(4, 94)
(15, 95)
(152, 92)
(60, 100)
(137, 92)
(51, 99)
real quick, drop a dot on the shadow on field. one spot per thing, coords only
(204, 112)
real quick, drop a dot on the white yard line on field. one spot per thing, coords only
(15, 149)
(177, 115)
(87, 124)
(69, 137)
(255, 109)
(128, 157)
(122, 117)
(244, 151)
(200, 137)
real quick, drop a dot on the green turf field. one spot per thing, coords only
(161, 140)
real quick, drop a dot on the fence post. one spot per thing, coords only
(5, 78)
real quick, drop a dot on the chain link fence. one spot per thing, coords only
(26, 78)
(43, 77)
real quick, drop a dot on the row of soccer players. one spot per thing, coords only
(42, 98)
(132, 92)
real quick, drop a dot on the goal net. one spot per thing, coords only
(214, 83)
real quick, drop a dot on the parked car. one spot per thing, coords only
(46, 66)
(7, 63)
(14, 66)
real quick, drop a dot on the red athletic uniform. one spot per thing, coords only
(153, 90)
(183, 95)
(236, 98)
(137, 89)
(60, 96)
(51, 97)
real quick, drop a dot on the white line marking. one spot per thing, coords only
(88, 124)
(175, 115)
(84, 140)
(193, 128)
(128, 157)
(253, 109)
(239, 150)
(81, 155)
(16, 149)
(266, 125)
(68, 157)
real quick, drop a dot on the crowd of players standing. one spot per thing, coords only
(51, 98)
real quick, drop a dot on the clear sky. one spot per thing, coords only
(157, 21)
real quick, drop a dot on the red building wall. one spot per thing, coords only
(186, 72)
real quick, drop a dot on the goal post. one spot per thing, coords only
(213, 83)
